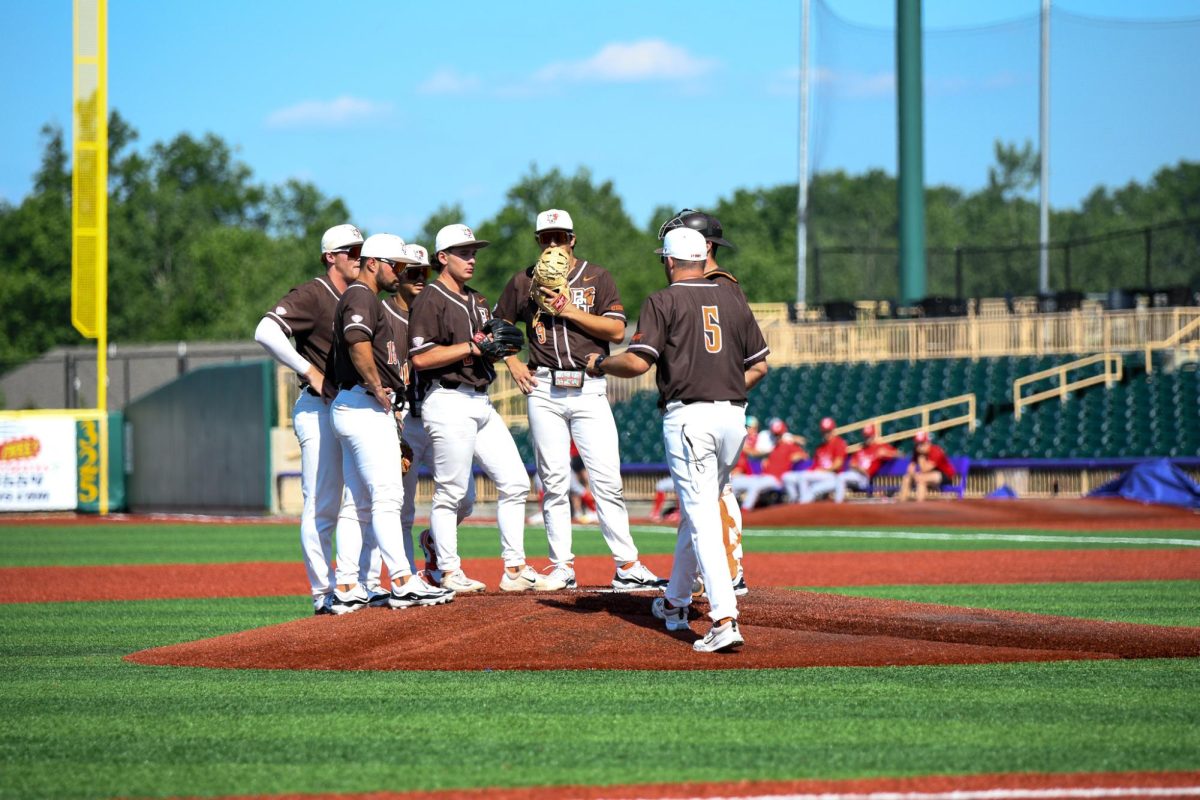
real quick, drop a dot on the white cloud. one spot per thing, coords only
(449, 81)
(338, 113)
(620, 62)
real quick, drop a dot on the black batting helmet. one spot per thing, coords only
(708, 225)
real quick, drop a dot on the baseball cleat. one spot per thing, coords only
(416, 592)
(377, 598)
(321, 605)
(675, 618)
(739, 583)
(458, 582)
(523, 581)
(636, 579)
(425, 540)
(346, 602)
(721, 637)
(697, 586)
(558, 578)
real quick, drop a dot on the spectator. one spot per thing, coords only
(821, 477)
(787, 451)
(864, 464)
(744, 479)
(929, 468)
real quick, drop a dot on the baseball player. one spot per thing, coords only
(714, 237)
(564, 403)
(822, 475)
(709, 351)
(863, 465)
(306, 314)
(453, 344)
(929, 467)
(369, 367)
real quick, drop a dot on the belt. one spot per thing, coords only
(738, 403)
(309, 389)
(458, 385)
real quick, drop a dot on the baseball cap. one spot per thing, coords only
(921, 438)
(418, 253)
(708, 226)
(456, 235)
(389, 246)
(685, 244)
(554, 219)
(751, 422)
(827, 424)
(339, 237)
(777, 426)
(868, 431)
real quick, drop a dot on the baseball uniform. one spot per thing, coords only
(462, 425)
(863, 465)
(569, 404)
(702, 337)
(822, 477)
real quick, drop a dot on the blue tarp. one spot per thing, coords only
(1005, 492)
(1157, 481)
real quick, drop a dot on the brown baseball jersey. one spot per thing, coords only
(440, 316)
(554, 342)
(361, 317)
(703, 337)
(724, 278)
(306, 314)
(399, 317)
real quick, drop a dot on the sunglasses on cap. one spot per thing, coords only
(416, 273)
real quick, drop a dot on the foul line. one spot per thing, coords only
(981, 794)
(956, 537)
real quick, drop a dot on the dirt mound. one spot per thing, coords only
(601, 630)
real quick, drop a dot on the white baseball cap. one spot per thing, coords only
(340, 237)
(554, 219)
(685, 244)
(456, 235)
(389, 246)
(417, 252)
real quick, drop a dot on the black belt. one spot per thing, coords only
(739, 403)
(309, 389)
(456, 384)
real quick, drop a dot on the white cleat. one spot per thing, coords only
(559, 577)
(721, 637)
(416, 592)
(675, 618)
(458, 582)
(523, 581)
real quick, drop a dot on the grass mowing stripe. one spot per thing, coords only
(979, 536)
(75, 721)
(83, 545)
(1144, 602)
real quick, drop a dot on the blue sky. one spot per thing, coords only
(399, 107)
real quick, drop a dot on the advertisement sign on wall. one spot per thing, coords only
(39, 464)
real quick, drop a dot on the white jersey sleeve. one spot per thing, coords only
(275, 341)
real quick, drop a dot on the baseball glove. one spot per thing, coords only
(406, 457)
(500, 339)
(550, 272)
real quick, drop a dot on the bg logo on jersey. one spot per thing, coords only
(584, 297)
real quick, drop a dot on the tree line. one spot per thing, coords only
(198, 248)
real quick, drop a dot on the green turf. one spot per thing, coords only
(76, 721)
(1148, 602)
(77, 545)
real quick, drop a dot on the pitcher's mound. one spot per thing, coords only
(596, 630)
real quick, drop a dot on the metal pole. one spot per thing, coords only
(911, 150)
(1044, 156)
(802, 203)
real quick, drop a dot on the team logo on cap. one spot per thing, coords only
(468, 232)
(552, 216)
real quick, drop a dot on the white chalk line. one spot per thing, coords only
(975, 794)
(955, 537)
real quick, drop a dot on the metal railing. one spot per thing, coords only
(924, 411)
(1113, 371)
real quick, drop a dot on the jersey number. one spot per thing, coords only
(392, 357)
(712, 328)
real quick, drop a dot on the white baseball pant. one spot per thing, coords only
(371, 468)
(752, 486)
(417, 438)
(463, 426)
(808, 485)
(557, 415)
(703, 442)
(320, 489)
(852, 479)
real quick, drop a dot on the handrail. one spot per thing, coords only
(926, 425)
(1170, 341)
(1113, 371)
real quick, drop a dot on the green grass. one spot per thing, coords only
(76, 721)
(1147, 602)
(81, 545)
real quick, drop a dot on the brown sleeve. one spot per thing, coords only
(608, 300)
(425, 323)
(508, 307)
(650, 339)
(297, 311)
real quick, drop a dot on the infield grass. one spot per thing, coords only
(77, 721)
(125, 543)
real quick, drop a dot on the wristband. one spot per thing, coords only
(596, 365)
